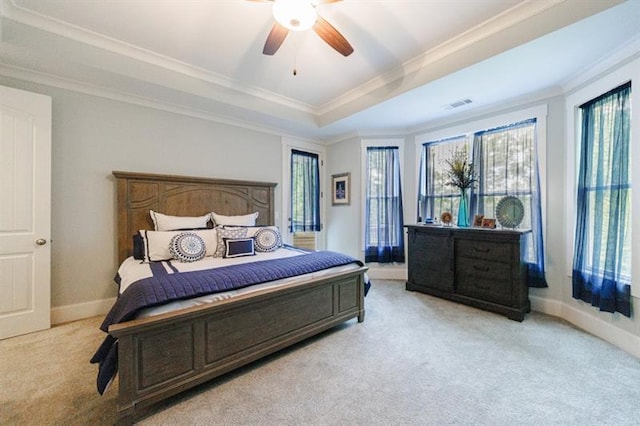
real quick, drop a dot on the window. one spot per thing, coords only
(384, 236)
(305, 192)
(434, 197)
(602, 257)
(505, 162)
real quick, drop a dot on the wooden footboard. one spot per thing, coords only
(164, 355)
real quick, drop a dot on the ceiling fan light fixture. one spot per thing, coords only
(295, 15)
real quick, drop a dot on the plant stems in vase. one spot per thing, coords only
(461, 175)
(463, 210)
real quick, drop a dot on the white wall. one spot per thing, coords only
(92, 137)
(345, 222)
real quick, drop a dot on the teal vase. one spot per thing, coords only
(463, 210)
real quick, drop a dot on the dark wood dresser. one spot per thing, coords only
(480, 267)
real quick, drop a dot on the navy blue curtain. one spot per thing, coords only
(602, 256)
(305, 192)
(384, 236)
(506, 163)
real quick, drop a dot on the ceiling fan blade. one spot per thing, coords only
(275, 39)
(332, 37)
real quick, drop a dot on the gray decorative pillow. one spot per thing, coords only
(268, 239)
(187, 247)
(223, 233)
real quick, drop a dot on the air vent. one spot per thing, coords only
(458, 104)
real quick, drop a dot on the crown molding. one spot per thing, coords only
(419, 69)
(36, 77)
(618, 57)
(506, 19)
(11, 10)
(446, 57)
(520, 24)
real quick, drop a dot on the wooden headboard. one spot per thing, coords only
(184, 196)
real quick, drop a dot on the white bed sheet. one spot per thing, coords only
(132, 270)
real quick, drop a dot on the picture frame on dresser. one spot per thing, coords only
(489, 223)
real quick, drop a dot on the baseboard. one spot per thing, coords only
(623, 339)
(78, 311)
(378, 273)
(546, 306)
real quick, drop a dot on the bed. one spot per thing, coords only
(164, 354)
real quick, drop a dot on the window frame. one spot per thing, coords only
(453, 193)
(623, 74)
(469, 128)
(282, 218)
(364, 144)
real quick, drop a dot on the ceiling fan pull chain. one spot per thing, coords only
(295, 54)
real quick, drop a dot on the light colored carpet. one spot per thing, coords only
(415, 360)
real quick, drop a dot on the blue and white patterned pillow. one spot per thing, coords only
(187, 247)
(227, 233)
(268, 239)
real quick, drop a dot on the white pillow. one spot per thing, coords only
(156, 243)
(241, 220)
(165, 222)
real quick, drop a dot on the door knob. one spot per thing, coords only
(41, 241)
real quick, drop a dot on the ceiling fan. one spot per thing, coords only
(301, 15)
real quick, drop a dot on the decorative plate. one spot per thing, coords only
(187, 247)
(510, 212)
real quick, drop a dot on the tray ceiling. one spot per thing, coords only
(411, 59)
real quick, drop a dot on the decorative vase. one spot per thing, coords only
(463, 210)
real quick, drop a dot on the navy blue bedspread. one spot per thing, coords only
(163, 288)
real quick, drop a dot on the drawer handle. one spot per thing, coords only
(481, 268)
(486, 250)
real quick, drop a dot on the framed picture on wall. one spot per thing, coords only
(341, 189)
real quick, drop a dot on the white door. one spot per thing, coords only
(25, 212)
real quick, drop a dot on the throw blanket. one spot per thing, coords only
(163, 288)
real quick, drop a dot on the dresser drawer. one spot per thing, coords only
(486, 280)
(486, 250)
(430, 261)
